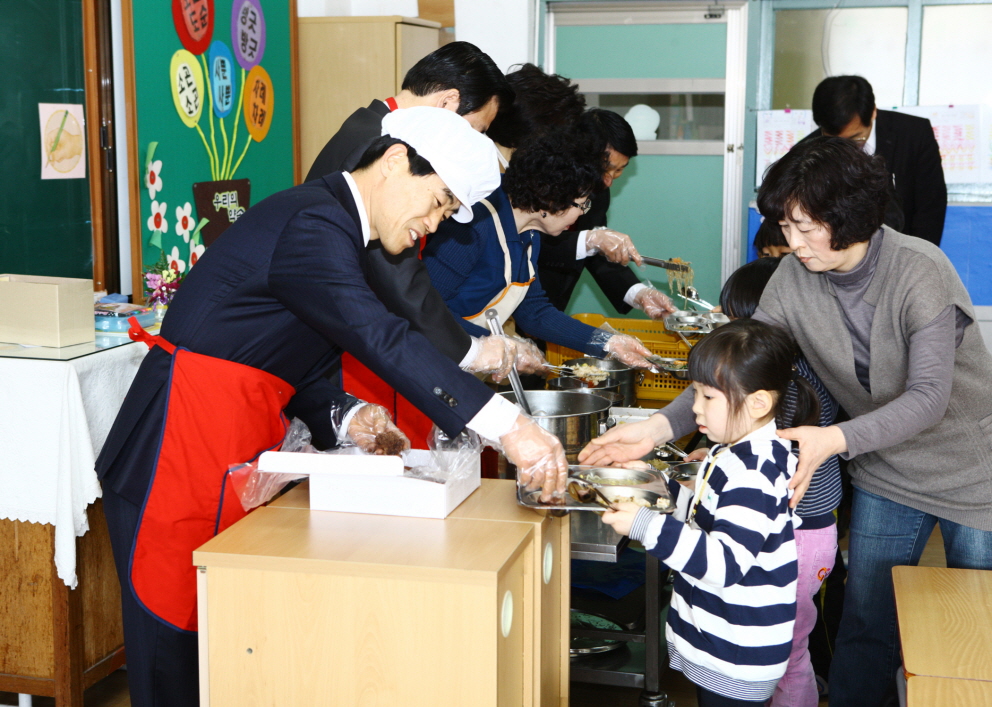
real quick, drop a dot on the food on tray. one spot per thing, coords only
(589, 373)
(389, 443)
(597, 479)
(660, 504)
(659, 464)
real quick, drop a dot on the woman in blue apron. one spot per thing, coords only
(491, 263)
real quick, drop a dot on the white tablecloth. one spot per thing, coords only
(54, 419)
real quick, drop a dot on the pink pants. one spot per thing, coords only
(816, 550)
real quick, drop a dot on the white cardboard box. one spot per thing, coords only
(354, 483)
(46, 311)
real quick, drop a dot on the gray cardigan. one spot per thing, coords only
(945, 470)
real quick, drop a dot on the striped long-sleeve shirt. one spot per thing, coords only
(734, 606)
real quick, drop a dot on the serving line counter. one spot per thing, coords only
(60, 616)
(407, 554)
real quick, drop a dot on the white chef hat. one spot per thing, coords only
(462, 157)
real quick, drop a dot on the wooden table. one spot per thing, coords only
(496, 500)
(947, 692)
(340, 609)
(945, 626)
(945, 621)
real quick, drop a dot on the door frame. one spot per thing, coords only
(733, 13)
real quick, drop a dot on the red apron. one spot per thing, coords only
(218, 413)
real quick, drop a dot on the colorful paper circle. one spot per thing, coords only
(221, 65)
(248, 32)
(194, 21)
(258, 103)
(187, 86)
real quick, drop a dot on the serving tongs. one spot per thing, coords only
(669, 447)
(584, 492)
(496, 327)
(667, 264)
(691, 294)
(560, 370)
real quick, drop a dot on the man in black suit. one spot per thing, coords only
(251, 333)
(844, 106)
(458, 77)
(589, 245)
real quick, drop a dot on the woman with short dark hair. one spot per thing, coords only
(888, 325)
(492, 261)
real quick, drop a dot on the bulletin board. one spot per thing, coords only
(213, 119)
(45, 224)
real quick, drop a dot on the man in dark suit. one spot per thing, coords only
(251, 333)
(590, 245)
(844, 106)
(458, 77)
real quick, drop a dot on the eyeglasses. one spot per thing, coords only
(586, 206)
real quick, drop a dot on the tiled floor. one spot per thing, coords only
(112, 692)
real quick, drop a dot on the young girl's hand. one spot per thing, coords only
(621, 520)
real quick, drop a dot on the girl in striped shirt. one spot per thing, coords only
(731, 541)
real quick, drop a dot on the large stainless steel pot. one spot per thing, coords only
(628, 378)
(611, 384)
(574, 418)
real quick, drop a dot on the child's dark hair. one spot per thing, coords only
(768, 235)
(747, 355)
(741, 292)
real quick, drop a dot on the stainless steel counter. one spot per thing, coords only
(592, 539)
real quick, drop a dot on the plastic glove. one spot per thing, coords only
(628, 350)
(615, 246)
(538, 456)
(653, 303)
(373, 431)
(530, 359)
(496, 356)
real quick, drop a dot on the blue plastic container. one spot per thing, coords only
(121, 324)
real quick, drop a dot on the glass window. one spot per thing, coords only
(955, 55)
(681, 116)
(813, 44)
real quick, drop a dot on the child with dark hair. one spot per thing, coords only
(731, 540)
(769, 241)
(816, 539)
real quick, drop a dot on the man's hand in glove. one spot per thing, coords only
(626, 349)
(615, 246)
(496, 356)
(530, 360)
(538, 456)
(373, 431)
(653, 303)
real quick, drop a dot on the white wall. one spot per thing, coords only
(503, 29)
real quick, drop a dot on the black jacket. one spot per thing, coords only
(560, 271)
(400, 281)
(285, 290)
(910, 150)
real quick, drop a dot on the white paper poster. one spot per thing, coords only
(963, 141)
(778, 131)
(63, 142)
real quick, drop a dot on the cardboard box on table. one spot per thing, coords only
(46, 311)
(359, 483)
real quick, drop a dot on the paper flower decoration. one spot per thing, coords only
(175, 263)
(184, 220)
(157, 222)
(195, 252)
(153, 178)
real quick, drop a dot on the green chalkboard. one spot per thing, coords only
(45, 226)
(181, 149)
